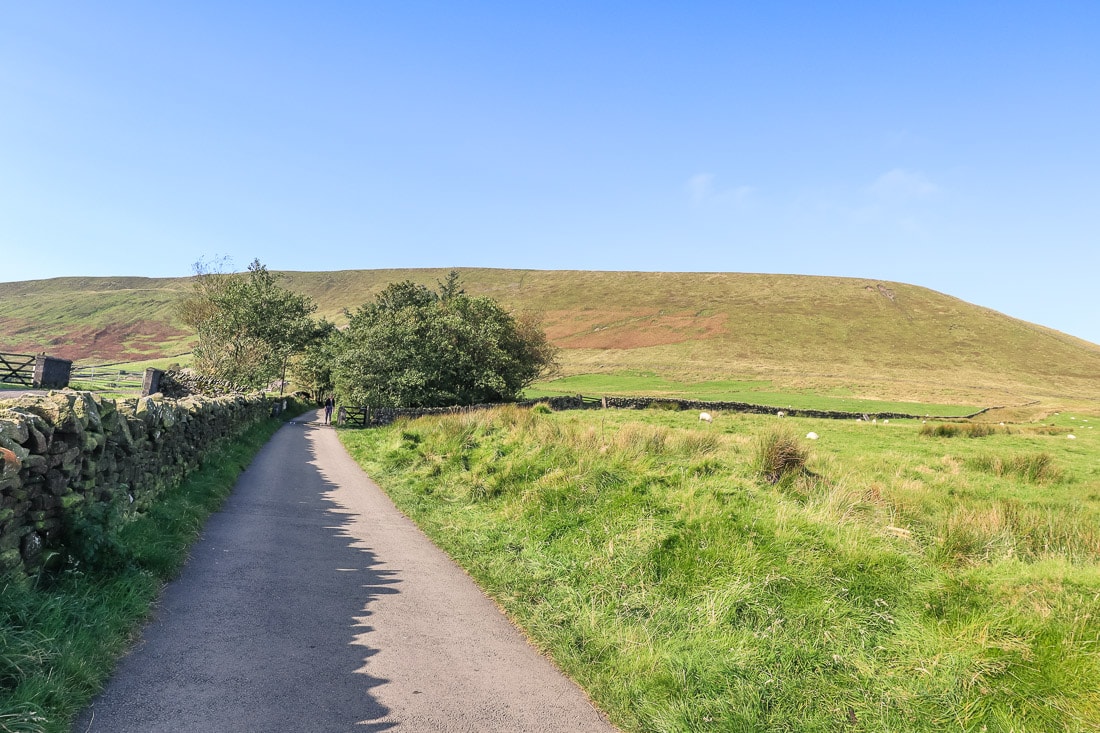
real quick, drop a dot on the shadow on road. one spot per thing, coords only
(267, 628)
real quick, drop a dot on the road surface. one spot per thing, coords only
(312, 604)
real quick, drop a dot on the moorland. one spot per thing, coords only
(821, 339)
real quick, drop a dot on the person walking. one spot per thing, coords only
(329, 404)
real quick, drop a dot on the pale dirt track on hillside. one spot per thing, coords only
(312, 604)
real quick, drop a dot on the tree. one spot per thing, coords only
(248, 326)
(414, 347)
(312, 369)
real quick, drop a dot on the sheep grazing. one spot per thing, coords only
(1072, 437)
(705, 417)
(811, 436)
(780, 414)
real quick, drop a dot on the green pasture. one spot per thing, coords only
(757, 392)
(181, 360)
(906, 579)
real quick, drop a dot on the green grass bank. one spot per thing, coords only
(61, 631)
(903, 579)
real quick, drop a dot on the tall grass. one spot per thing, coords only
(909, 590)
(61, 632)
(778, 454)
(1031, 467)
(951, 430)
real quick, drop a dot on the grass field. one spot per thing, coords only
(757, 392)
(908, 578)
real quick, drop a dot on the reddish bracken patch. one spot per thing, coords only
(114, 342)
(584, 329)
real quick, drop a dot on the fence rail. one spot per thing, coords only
(17, 369)
(107, 377)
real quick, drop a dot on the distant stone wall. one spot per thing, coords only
(642, 403)
(61, 453)
(363, 417)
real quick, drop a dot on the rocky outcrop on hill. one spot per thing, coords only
(64, 453)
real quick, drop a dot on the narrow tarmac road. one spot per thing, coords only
(312, 604)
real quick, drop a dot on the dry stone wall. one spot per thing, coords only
(376, 416)
(642, 403)
(63, 452)
(361, 416)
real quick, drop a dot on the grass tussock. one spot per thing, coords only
(903, 589)
(778, 454)
(1036, 468)
(951, 430)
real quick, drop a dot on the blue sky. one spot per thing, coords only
(949, 145)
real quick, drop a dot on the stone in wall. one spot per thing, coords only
(66, 451)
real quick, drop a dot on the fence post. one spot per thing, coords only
(51, 373)
(150, 384)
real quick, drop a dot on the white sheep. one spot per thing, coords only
(1072, 437)
(705, 417)
(780, 414)
(811, 436)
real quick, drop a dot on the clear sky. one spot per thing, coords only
(945, 144)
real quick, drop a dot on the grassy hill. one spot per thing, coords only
(839, 336)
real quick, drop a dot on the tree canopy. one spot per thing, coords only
(248, 326)
(417, 347)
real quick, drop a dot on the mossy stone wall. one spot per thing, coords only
(62, 452)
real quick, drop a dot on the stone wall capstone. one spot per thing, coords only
(63, 452)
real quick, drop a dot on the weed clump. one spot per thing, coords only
(951, 430)
(779, 454)
(1036, 468)
(541, 409)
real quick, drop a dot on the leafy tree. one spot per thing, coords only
(414, 347)
(312, 369)
(248, 326)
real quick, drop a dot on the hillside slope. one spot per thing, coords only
(864, 337)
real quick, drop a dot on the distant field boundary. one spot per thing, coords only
(366, 416)
(642, 403)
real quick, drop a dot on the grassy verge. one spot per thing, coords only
(60, 633)
(757, 392)
(874, 579)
